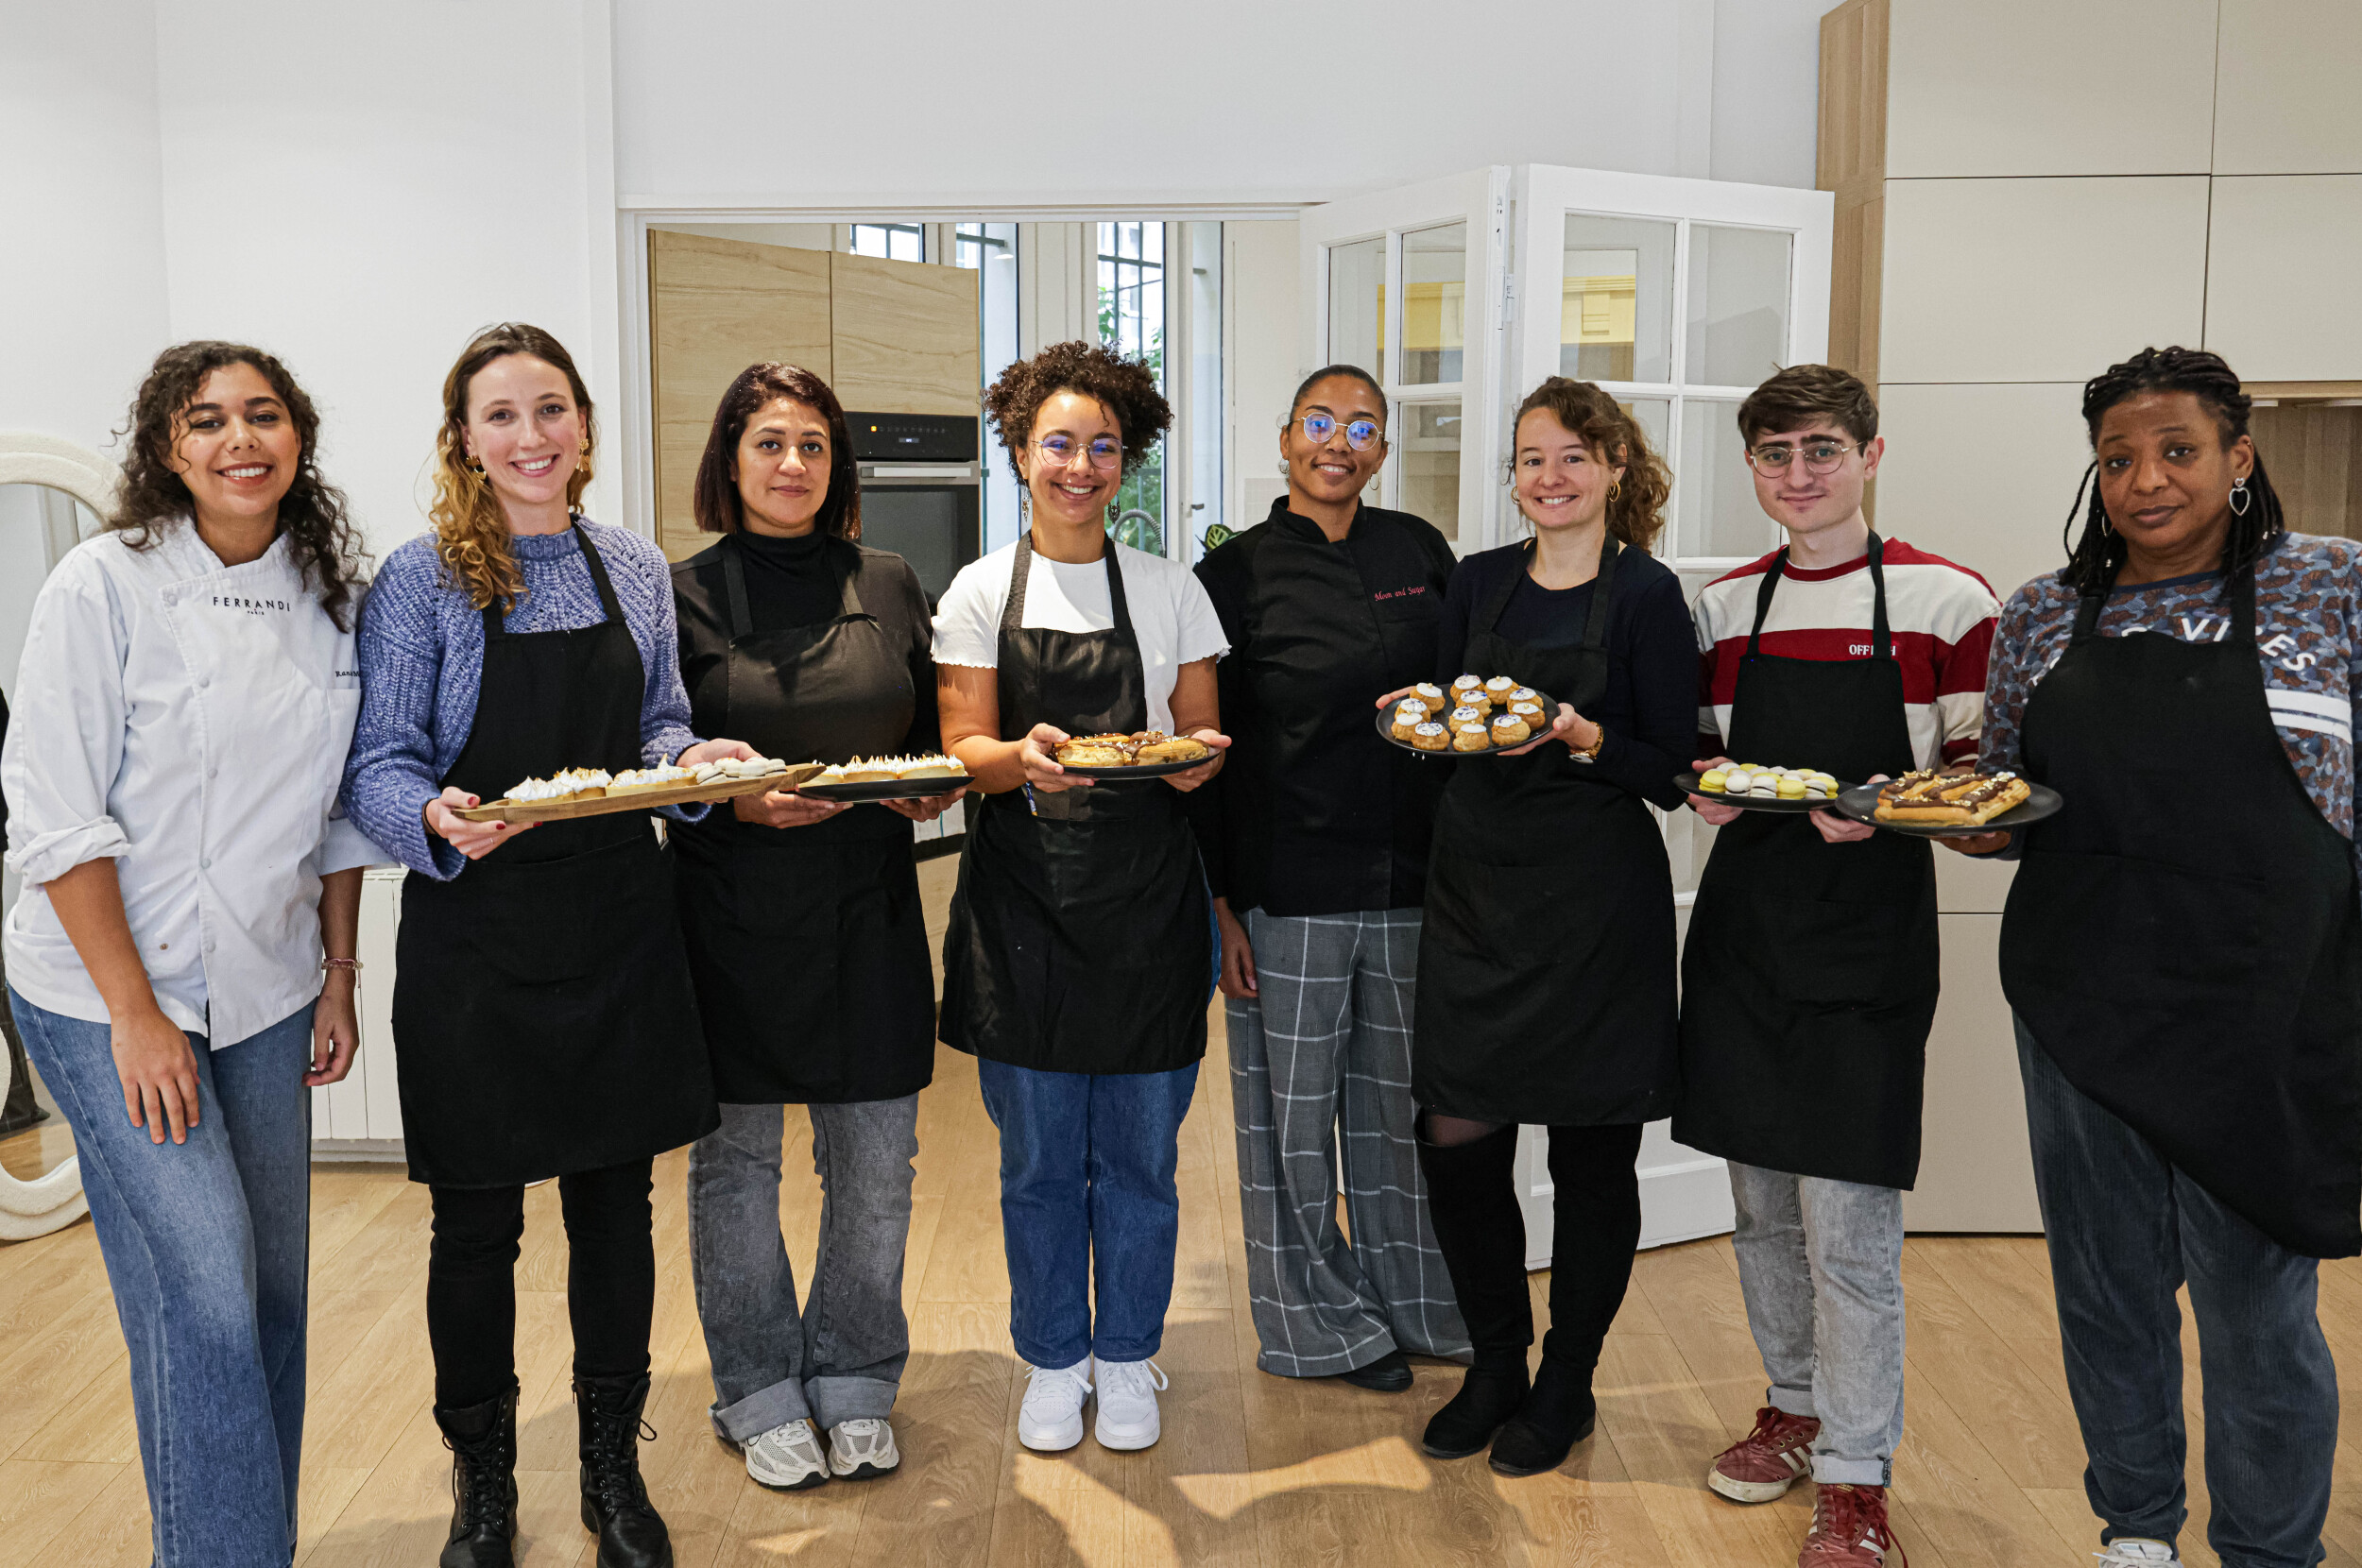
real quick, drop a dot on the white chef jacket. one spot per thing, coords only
(189, 720)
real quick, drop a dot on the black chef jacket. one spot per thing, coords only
(1314, 813)
(793, 582)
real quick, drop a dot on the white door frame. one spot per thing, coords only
(1479, 199)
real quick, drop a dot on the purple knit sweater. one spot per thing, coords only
(422, 647)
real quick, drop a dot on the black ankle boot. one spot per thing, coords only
(614, 1499)
(483, 1443)
(1472, 1199)
(1557, 1414)
(1489, 1395)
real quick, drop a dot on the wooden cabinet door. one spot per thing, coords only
(904, 336)
(714, 307)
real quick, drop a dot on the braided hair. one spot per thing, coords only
(2092, 560)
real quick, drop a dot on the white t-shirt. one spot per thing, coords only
(1171, 615)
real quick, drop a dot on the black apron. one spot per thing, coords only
(1546, 959)
(1811, 973)
(1080, 936)
(543, 1020)
(808, 944)
(2183, 938)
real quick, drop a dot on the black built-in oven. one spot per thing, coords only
(921, 491)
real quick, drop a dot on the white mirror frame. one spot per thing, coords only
(52, 1201)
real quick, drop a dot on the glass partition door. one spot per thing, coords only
(1679, 297)
(1411, 285)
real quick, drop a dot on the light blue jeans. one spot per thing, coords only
(207, 1244)
(1087, 1196)
(1821, 1262)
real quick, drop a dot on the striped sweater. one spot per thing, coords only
(1941, 617)
(2308, 594)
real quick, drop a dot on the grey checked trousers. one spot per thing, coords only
(1326, 1046)
(842, 1355)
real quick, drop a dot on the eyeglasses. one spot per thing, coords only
(1819, 456)
(1361, 435)
(1106, 451)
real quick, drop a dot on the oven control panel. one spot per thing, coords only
(913, 438)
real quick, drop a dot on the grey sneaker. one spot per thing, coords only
(787, 1459)
(2131, 1551)
(861, 1449)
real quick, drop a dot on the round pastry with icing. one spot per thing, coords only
(1473, 737)
(1429, 737)
(1429, 693)
(1510, 731)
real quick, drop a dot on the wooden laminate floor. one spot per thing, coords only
(1253, 1469)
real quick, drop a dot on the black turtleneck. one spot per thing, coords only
(794, 583)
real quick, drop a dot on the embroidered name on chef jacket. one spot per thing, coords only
(250, 606)
(1412, 591)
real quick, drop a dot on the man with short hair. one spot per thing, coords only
(1809, 975)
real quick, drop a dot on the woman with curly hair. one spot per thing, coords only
(544, 1023)
(1545, 969)
(1080, 956)
(189, 689)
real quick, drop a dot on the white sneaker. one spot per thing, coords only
(1127, 1403)
(788, 1458)
(2128, 1551)
(1050, 1420)
(861, 1449)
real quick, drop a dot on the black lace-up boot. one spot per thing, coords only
(614, 1499)
(483, 1443)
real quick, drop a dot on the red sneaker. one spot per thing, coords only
(1767, 1461)
(1849, 1530)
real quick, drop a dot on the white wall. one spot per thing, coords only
(373, 191)
(1032, 102)
(83, 266)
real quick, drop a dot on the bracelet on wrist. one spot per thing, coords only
(351, 966)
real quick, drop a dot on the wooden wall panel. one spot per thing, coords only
(904, 336)
(1853, 166)
(716, 306)
(2314, 454)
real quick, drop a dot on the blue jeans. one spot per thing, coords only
(2126, 1228)
(208, 1246)
(1087, 1196)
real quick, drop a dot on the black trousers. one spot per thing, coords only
(472, 1280)
(1472, 1199)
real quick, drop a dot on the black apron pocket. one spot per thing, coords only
(1835, 953)
(2170, 942)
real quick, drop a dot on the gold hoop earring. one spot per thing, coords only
(586, 449)
(476, 467)
(1614, 488)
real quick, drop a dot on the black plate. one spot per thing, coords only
(884, 789)
(1386, 731)
(1861, 804)
(1134, 773)
(1688, 781)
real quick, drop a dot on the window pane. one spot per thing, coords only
(1428, 447)
(1616, 319)
(1654, 417)
(1737, 304)
(1357, 294)
(1714, 489)
(1434, 303)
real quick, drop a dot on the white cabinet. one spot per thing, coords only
(2280, 276)
(361, 1118)
(2284, 87)
(2033, 87)
(2038, 279)
(1928, 490)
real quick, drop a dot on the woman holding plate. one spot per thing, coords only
(813, 647)
(1546, 971)
(2182, 950)
(1080, 955)
(545, 1024)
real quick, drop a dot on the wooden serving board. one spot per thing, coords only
(639, 800)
